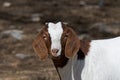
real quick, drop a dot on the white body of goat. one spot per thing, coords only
(103, 60)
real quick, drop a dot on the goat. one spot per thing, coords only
(77, 59)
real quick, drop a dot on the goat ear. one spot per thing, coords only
(40, 47)
(72, 44)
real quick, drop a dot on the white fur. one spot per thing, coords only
(55, 31)
(103, 60)
(72, 71)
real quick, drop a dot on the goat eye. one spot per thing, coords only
(44, 37)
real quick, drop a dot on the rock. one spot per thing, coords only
(35, 17)
(6, 4)
(82, 3)
(21, 56)
(17, 34)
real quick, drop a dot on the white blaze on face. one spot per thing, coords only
(55, 31)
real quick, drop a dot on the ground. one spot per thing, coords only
(21, 20)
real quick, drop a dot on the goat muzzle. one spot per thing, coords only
(54, 52)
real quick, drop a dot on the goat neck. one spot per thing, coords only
(70, 69)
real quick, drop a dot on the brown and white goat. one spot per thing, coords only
(76, 59)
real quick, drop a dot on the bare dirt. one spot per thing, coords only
(25, 18)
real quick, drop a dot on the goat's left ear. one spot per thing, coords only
(72, 44)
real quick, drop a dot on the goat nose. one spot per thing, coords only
(55, 51)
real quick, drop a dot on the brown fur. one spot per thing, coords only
(41, 43)
(72, 43)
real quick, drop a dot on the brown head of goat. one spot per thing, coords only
(56, 40)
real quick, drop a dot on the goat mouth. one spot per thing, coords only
(54, 57)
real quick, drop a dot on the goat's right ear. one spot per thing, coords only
(39, 47)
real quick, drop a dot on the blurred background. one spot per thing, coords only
(21, 20)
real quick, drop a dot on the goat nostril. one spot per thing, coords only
(55, 50)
